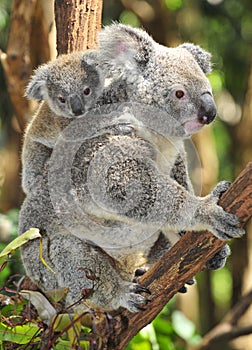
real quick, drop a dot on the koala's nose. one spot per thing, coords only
(76, 105)
(208, 109)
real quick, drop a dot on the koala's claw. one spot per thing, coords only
(228, 226)
(136, 288)
(184, 288)
(140, 272)
(142, 308)
(219, 259)
(136, 301)
(191, 282)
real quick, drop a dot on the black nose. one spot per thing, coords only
(208, 109)
(76, 105)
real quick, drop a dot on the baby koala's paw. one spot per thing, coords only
(135, 301)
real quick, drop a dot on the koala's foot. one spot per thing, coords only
(222, 224)
(219, 259)
(135, 301)
(184, 288)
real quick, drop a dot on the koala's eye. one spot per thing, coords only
(87, 91)
(179, 94)
(61, 99)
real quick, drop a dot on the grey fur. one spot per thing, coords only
(127, 195)
(71, 77)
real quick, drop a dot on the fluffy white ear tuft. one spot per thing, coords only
(125, 46)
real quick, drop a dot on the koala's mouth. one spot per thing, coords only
(192, 126)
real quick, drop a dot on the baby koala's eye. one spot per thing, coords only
(179, 94)
(61, 99)
(87, 91)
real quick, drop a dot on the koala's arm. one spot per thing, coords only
(39, 139)
(35, 156)
(131, 187)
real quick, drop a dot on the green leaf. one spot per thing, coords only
(44, 308)
(19, 334)
(173, 5)
(183, 326)
(163, 326)
(165, 342)
(66, 345)
(17, 243)
(9, 308)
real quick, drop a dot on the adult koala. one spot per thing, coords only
(118, 193)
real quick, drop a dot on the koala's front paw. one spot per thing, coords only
(220, 188)
(226, 226)
(219, 259)
(222, 224)
(135, 301)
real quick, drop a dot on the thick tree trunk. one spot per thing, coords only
(77, 23)
(31, 25)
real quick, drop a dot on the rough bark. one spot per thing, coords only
(16, 61)
(77, 23)
(31, 23)
(177, 266)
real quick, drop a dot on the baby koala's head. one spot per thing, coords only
(70, 84)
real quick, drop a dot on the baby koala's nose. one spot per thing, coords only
(76, 105)
(208, 109)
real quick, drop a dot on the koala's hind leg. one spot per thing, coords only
(90, 274)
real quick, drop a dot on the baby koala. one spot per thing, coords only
(69, 86)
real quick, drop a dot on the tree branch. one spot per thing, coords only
(183, 261)
(227, 334)
(228, 329)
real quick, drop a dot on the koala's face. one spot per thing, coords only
(69, 85)
(180, 87)
(172, 79)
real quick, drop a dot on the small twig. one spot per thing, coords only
(226, 335)
(239, 309)
(228, 329)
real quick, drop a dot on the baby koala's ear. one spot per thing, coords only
(37, 87)
(202, 57)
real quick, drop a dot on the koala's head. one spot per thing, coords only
(70, 84)
(172, 79)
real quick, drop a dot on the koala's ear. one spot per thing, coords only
(37, 87)
(202, 57)
(125, 46)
